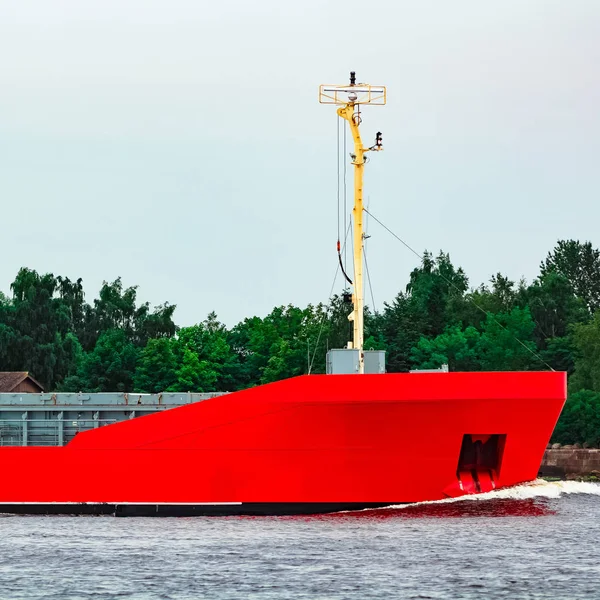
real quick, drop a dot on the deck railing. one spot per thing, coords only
(45, 432)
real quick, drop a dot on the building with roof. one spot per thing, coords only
(19, 382)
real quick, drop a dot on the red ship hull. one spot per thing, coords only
(305, 445)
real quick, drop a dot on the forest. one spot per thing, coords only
(115, 343)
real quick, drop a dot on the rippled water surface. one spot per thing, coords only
(537, 541)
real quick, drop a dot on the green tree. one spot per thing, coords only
(459, 349)
(586, 339)
(433, 300)
(504, 344)
(560, 353)
(215, 363)
(499, 297)
(402, 327)
(279, 364)
(281, 338)
(37, 329)
(108, 368)
(579, 263)
(195, 375)
(73, 298)
(116, 308)
(553, 305)
(580, 419)
(157, 367)
(435, 288)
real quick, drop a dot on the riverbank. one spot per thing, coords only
(569, 462)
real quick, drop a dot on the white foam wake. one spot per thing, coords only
(534, 489)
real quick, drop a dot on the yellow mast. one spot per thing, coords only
(349, 98)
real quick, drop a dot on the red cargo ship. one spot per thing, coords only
(310, 444)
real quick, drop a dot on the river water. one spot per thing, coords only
(540, 540)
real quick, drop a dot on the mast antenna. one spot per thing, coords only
(349, 98)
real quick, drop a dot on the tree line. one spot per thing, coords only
(116, 343)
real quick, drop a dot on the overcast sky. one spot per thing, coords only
(180, 144)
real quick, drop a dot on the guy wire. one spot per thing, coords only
(452, 284)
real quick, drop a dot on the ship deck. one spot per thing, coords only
(54, 419)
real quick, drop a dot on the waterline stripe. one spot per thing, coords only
(127, 503)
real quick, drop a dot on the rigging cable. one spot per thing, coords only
(312, 360)
(325, 312)
(369, 278)
(345, 199)
(342, 267)
(365, 253)
(338, 177)
(535, 354)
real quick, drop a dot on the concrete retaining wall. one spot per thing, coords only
(569, 462)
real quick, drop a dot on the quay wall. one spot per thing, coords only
(569, 462)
